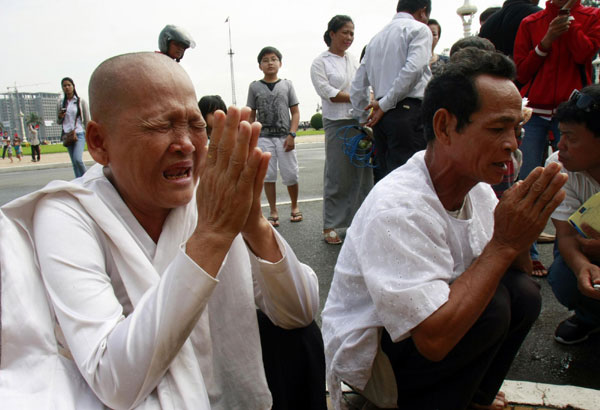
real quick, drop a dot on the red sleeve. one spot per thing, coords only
(584, 42)
(527, 60)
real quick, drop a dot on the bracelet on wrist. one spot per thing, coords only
(540, 51)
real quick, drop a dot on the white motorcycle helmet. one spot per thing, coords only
(174, 33)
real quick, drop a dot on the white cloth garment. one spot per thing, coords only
(331, 74)
(123, 303)
(71, 116)
(396, 65)
(579, 188)
(401, 253)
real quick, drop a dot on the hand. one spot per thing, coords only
(375, 115)
(558, 26)
(590, 246)
(62, 114)
(586, 278)
(524, 209)
(229, 176)
(289, 143)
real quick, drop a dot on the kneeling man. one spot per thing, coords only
(431, 297)
(153, 263)
(575, 269)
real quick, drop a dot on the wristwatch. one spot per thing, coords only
(293, 134)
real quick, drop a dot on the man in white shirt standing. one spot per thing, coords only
(151, 279)
(430, 299)
(575, 269)
(396, 66)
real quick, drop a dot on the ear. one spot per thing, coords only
(95, 137)
(444, 125)
(421, 15)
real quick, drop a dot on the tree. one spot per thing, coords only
(316, 121)
(591, 3)
(33, 119)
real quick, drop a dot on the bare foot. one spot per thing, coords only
(499, 403)
(539, 270)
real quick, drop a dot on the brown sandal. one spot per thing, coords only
(332, 238)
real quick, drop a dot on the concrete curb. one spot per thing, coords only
(528, 396)
(551, 396)
(33, 167)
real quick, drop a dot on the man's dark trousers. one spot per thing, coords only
(398, 135)
(474, 370)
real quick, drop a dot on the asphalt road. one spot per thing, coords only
(541, 359)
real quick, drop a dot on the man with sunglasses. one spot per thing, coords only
(575, 269)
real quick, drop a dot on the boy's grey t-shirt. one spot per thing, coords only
(272, 107)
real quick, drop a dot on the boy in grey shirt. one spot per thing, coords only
(272, 100)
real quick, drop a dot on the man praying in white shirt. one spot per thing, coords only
(430, 299)
(396, 66)
(152, 277)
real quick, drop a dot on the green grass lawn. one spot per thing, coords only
(48, 149)
(311, 132)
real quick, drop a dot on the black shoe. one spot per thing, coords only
(573, 330)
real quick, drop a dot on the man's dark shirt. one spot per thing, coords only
(501, 28)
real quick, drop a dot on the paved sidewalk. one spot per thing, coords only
(46, 161)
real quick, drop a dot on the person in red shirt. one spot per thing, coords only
(553, 52)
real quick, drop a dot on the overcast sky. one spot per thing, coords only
(44, 41)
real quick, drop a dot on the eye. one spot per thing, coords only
(156, 125)
(197, 125)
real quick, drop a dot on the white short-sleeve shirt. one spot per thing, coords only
(399, 258)
(579, 188)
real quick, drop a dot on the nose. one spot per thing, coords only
(561, 145)
(510, 143)
(182, 143)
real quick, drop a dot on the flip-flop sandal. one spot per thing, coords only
(546, 238)
(296, 217)
(539, 267)
(274, 220)
(332, 238)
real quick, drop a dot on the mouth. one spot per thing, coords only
(502, 165)
(176, 173)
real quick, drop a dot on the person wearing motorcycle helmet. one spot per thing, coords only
(173, 41)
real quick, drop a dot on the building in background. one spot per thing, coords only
(41, 104)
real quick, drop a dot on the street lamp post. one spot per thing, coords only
(466, 13)
(23, 136)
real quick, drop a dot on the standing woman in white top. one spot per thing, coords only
(344, 185)
(73, 113)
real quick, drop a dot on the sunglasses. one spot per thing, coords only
(584, 102)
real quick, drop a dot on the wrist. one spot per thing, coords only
(542, 49)
(207, 251)
(503, 250)
(292, 134)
